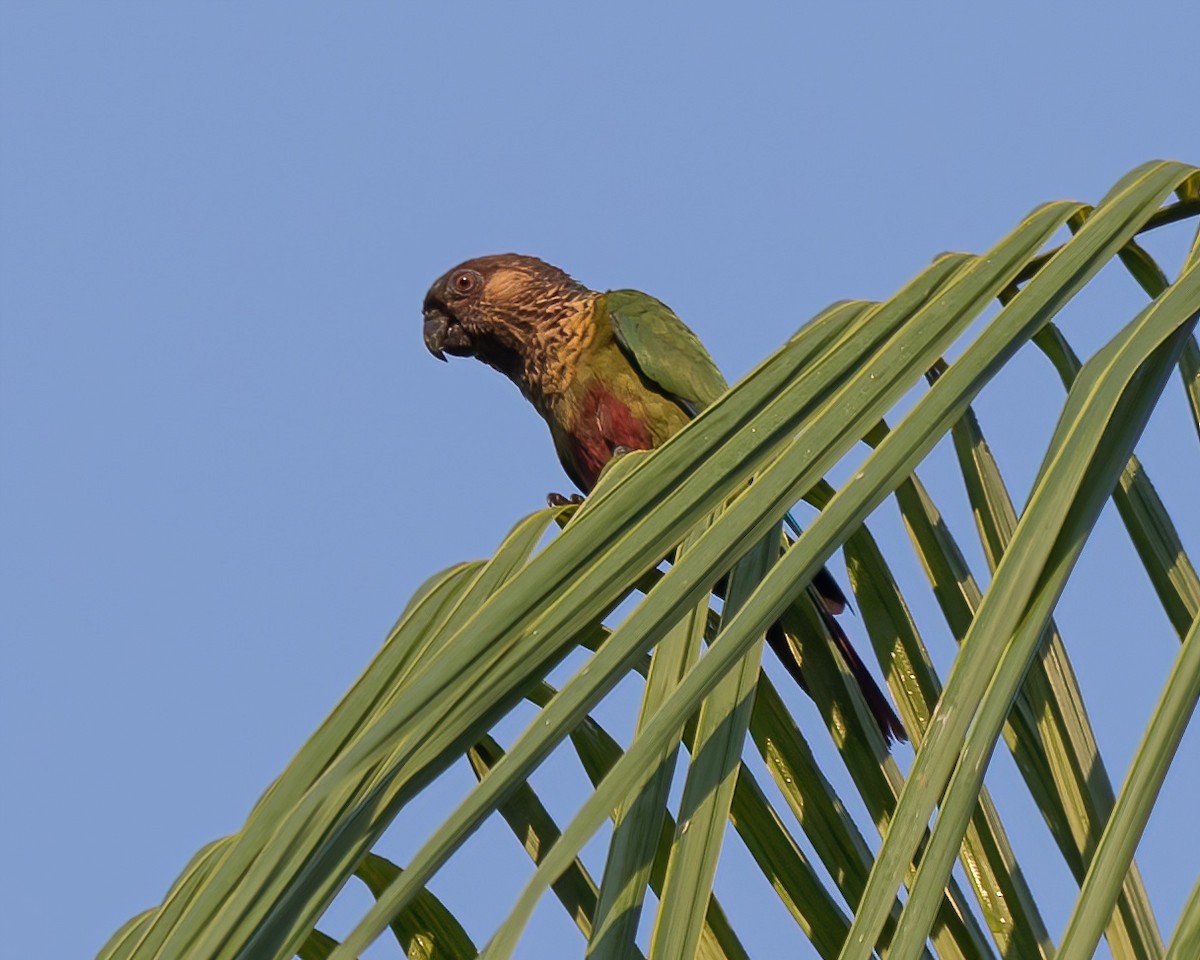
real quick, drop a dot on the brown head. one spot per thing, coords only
(518, 314)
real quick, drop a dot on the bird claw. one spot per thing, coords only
(558, 500)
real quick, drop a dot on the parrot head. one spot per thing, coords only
(500, 309)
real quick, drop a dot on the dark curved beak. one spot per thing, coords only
(444, 334)
(437, 325)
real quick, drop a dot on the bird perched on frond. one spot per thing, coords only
(608, 372)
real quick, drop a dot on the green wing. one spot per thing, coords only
(663, 349)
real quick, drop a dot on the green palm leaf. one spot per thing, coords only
(481, 637)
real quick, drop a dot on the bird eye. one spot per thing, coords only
(465, 281)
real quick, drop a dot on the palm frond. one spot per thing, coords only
(478, 639)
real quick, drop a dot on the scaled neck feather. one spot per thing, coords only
(567, 329)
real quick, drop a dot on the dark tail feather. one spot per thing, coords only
(830, 600)
(827, 588)
(881, 708)
(877, 701)
(830, 593)
(832, 597)
(777, 641)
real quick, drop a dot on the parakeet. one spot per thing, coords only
(608, 372)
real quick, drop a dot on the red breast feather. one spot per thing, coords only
(604, 424)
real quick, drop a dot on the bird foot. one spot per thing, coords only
(558, 500)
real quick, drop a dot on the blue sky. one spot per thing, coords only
(228, 459)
